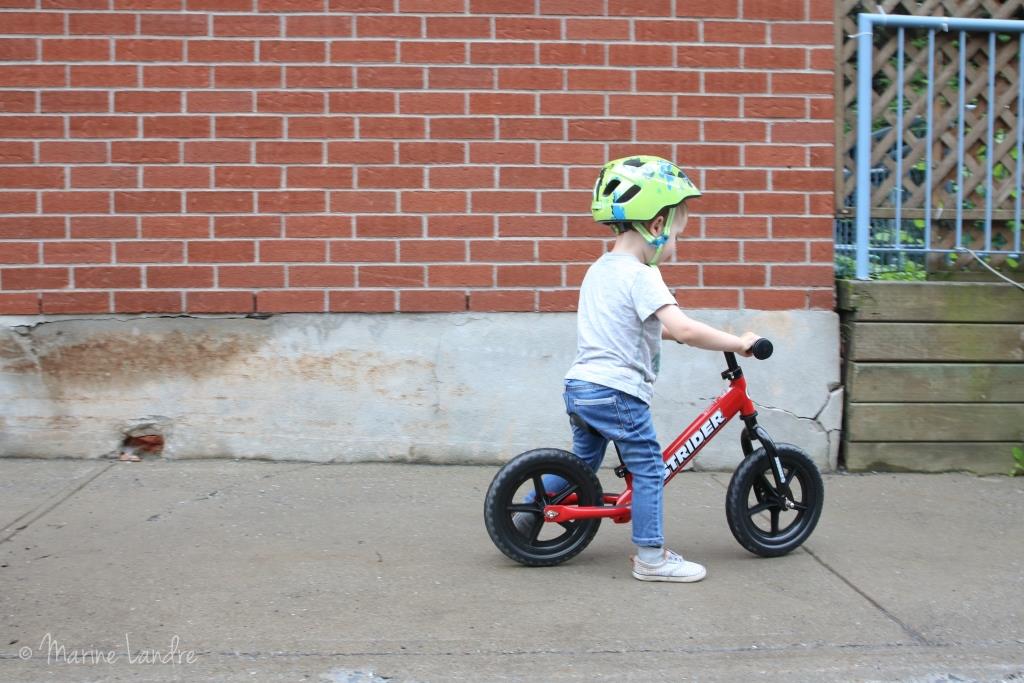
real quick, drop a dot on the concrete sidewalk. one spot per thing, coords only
(258, 571)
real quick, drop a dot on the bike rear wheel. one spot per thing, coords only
(533, 542)
(769, 520)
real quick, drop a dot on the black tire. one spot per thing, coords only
(764, 520)
(545, 544)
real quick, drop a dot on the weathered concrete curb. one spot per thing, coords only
(451, 388)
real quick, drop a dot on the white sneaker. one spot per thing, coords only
(672, 568)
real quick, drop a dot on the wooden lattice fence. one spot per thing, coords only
(887, 187)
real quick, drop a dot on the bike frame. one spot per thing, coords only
(682, 451)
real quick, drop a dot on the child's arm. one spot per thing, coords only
(678, 326)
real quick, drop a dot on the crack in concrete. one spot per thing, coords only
(41, 510)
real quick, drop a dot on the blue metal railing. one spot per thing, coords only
(865, 174)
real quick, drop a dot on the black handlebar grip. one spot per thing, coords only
(762, 349)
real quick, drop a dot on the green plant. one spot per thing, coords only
(1018, 461)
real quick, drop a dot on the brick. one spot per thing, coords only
(148, 50)
(459, 27)
(774, 58)
(147, 101)
(464, 78)
(221, 50)
(806, 131)
(802, 83)
(605, 79)
(318, 226)
(319, 25)
(220, 101)
(433, 202)
(32, 127)
(774, 299)
(754, 33)
(248, 76)
(28, 76)
(432, 250)
(147, 202)
(361, 301)
(369, 26)
(499, 7)
(74, 302)
(807, 181)
(176, 177)
(571, 104)
(356, 51)
(389, 226)
(220, 302)
(310, 251)
(820, 276)
(173, 24)
(391, 276)
(735, 131)
(433, 53)
(76, 202)
(107, 24)
(460, 225)
(388, 127)
(806, 226)
(64, 152)
(362, 201)
(147, 302)
(319, 177)
(431, 301)
(352, 152)
(822, 299)
(249, 126)
(251, 276)
(246, 226)
(35, 23)
(431, 152)
(667, 81)
(706, 297)
(502, 103)
(176, 126)
(219, 202)
(774, 203)
(561, 300)
(629, 8)
(292, 101)
(145, 152)
(114, 177)
(289, 152)
(802, 33)
(734, 275)
(34, 278)
(179, 277)
(319, 76)
(460, 276)
(538, 128)
(637, 55)
(23, 177)
(775, 107)
(667, 31)
(249, 26)
(363, 102)
(75, 50)
(469, 128)
(432, 103)
(363, 251)
(736, 82)
(402, 77)
(292, 201)
(177, 76)
(573, 54)
(108, 277)
(19, 304)
(32, 227)
(502, 300)
(532, 225)
(774, 251)
(529, 276)
(532, 28)
(586, 29)
(708, 56)
(221, 251)
(103, 227)
(321, 276)
(218, 152)
(25, 102)
(292, 51)
(502, 251)
(493, 52)
(666, 129)
(586, 154)
(20, 253)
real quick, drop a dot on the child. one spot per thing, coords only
(625, 309)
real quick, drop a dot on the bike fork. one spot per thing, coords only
(759, 434)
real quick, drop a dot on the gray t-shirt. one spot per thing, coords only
(618, 337)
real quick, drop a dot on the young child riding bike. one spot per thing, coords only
(625, 309)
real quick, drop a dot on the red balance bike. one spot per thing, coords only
(772, 504)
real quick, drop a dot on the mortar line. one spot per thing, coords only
(37, 513)
(909, 630)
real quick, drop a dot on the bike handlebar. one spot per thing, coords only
(762, 349)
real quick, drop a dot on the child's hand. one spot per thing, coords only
(747, 339)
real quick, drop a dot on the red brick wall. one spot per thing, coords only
(401, 155)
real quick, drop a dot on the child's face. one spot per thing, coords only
(681, 215)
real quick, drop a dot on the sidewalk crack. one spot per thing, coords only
(35, 514)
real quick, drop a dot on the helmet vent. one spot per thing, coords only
(612, 184)
(629, 194)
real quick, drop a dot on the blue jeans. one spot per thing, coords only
(626, 420)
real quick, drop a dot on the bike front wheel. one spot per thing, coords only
(513, 508)
(771, 520)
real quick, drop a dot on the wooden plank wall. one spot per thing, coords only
(934, 375)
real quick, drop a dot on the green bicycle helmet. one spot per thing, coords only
(632, 190)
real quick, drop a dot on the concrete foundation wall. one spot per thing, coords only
(452, 388)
